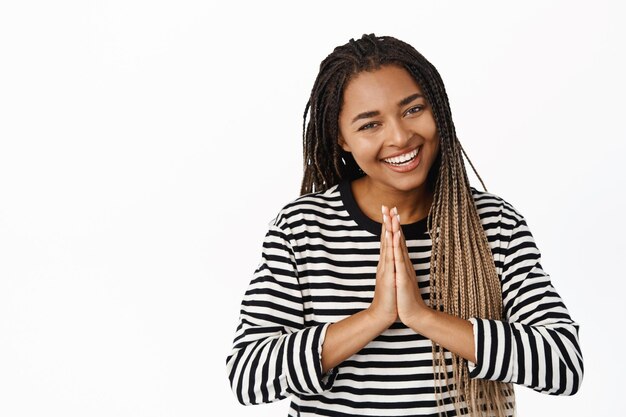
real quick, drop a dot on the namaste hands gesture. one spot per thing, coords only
(397, 294)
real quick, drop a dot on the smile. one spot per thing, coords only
(403, 159)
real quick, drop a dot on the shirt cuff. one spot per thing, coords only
(326, 380)
(471, 365)
(304, 361)
(495, 350)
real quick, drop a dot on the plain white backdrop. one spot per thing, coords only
(145, 146)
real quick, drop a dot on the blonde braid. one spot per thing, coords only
(462, 250)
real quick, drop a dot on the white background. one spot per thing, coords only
(145, 146)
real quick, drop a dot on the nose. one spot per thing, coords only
(399, 134)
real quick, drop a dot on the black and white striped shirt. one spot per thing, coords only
(318, 266)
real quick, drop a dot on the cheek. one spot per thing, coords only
(431, 128)
(432, 146)
(435, 138)
(426, 127)
(366, 151)
(435, 145)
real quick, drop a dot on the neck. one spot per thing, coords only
(412, 205)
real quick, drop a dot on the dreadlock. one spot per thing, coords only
(463, 277)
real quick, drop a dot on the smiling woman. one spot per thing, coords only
(391, 286)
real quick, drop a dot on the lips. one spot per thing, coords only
(407, 166)
(402, 157)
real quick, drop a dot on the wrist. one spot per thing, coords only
(381, 321)
(421, 319)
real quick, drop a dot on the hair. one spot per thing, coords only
(463, 277)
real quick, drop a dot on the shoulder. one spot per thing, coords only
(493, 208)
(313, 205)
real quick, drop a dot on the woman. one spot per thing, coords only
(391, 286)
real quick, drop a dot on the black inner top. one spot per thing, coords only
(409, 230)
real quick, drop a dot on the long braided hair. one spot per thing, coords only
(463, 277)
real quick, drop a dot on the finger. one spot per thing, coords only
(402, 244)
(399, 259)
(388, 225)
(383, 264)
(395, 225)
(382, 235)
(401, 241)
(386, 255)
(395, 221)
(395, 218)
(382, 241)
(396, 248)
(404, 262)
(389, 239)
(386, 215)
(386, 229)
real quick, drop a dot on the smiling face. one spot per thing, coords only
(384, 114)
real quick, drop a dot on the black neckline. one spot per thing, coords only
(345, 191)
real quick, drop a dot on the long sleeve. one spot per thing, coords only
(536, 345)
(274, 354)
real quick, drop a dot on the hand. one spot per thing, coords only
(410, 305)
(383, 307)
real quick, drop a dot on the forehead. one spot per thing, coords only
(389, 84)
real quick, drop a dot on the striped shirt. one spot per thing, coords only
(318, 266)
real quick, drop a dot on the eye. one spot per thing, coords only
(365, 126)
(415, 109)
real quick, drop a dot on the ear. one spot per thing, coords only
(343, 143)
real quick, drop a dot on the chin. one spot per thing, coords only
(408, 183)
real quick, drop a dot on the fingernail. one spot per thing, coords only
(394, 210)
(385, 218)
(398, 216)
(382, 209)
(386, 234)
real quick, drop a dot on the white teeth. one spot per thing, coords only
(402, 158)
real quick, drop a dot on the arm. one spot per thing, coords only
(273, 353)
(537, 343)
(453, 333)
(350, 335)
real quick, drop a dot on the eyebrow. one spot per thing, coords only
(403, 102)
